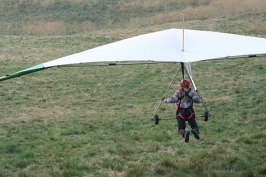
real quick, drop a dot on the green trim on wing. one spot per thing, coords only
(23, 72)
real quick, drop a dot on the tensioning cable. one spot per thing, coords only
(165, 93)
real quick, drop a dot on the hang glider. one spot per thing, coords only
(168, 46)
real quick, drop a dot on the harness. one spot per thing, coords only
(184, 113)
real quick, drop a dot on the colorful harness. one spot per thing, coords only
(190, 108)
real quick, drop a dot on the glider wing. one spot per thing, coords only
(162, 47)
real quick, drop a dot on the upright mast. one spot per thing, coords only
(182, 64)
(183, 26)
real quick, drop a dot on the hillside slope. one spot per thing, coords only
(68, 17)
(95, 121)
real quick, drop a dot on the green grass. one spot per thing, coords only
(95, 121)
(98, 122)
(65, 17)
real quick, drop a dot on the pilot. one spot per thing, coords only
(183, 99)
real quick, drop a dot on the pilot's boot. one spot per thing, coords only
(195, 133)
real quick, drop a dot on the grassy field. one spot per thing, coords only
(95, 121)
(61, 17)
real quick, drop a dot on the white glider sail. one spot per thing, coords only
(163, 46)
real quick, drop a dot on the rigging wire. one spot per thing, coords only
(165, 93)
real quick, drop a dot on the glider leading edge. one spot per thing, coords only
(168, 46)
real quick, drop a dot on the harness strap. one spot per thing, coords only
(190, 108)
(179, 99)
(181, 116)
